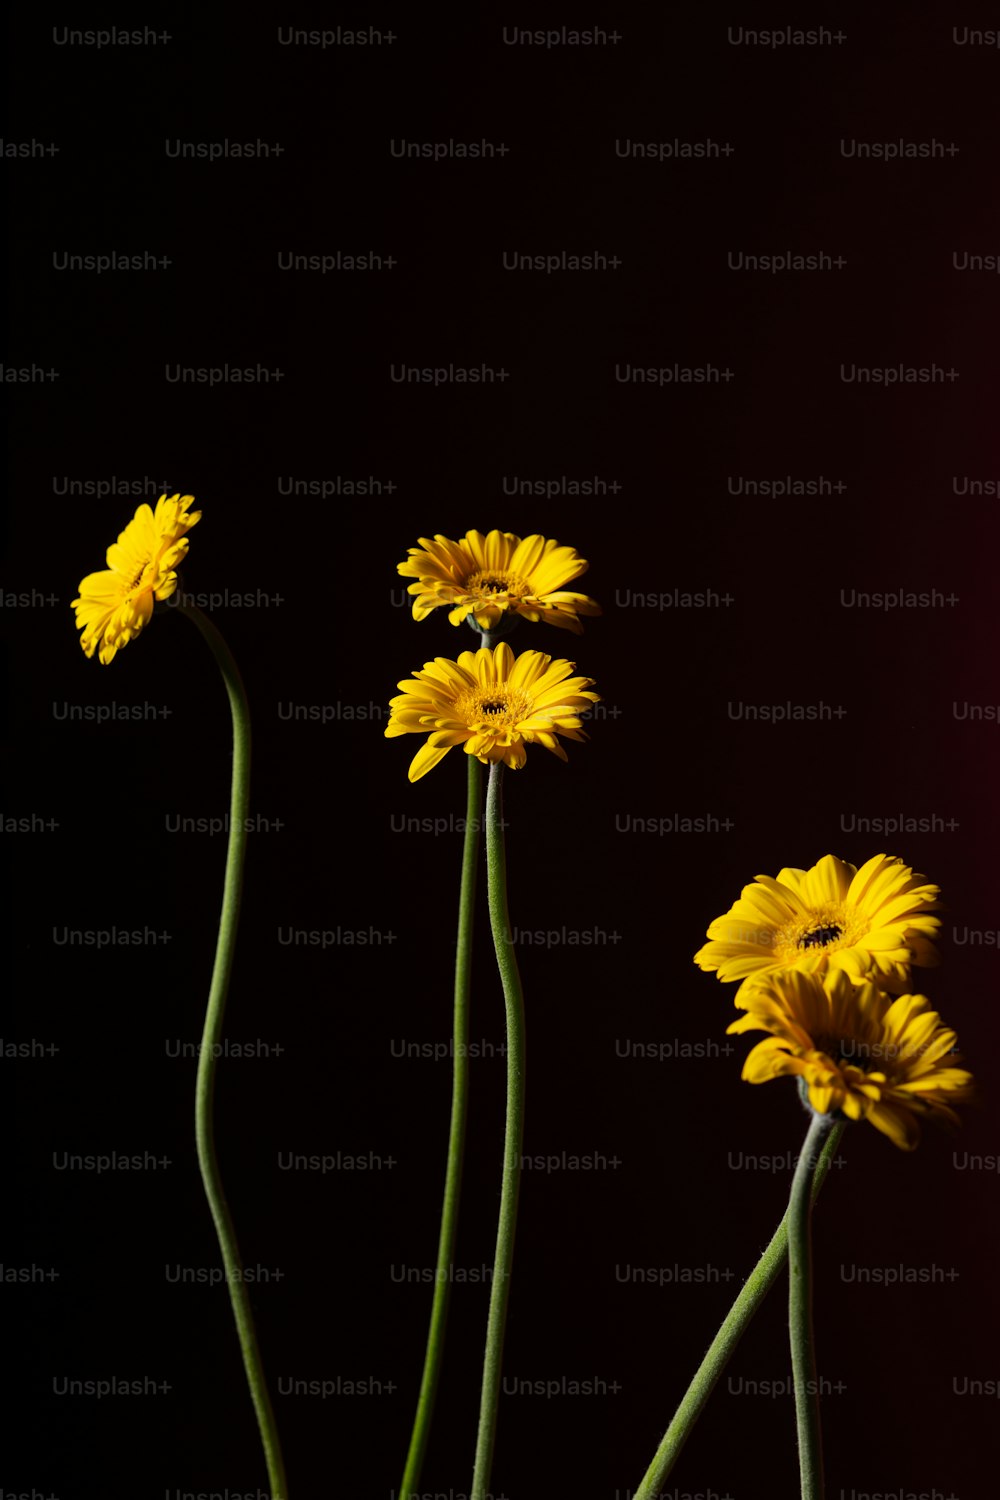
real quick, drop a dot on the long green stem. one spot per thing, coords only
(456, 1135)
(722, 1347)
(503, 941)
(800, 1318)
(210, 1050)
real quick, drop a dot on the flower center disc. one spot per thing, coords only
(489, 583)
(826, 928)
(140, 579)
(496, 708)
(820, 936)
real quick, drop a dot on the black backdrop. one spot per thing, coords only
(654, 483)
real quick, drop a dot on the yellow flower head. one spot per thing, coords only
(486, 577)
(857, 1051)
(491, 703)
(872, 923)
(114, 606)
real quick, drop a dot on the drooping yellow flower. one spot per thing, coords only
(492, 703)
(488, 576)
(857, 1051)
(114, 606)
(872, 923)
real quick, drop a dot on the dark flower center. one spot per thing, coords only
(493, 707)
(839, 1049)
(491, 581)
(820, 936)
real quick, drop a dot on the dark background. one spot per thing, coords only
(681, 1197)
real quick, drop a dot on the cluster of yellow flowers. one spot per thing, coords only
(824, 957)
(489, 701)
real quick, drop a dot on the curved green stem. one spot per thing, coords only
(722, 1347)
(456, 1135)
(800, 1319)
(210, 1050)
(496, 869)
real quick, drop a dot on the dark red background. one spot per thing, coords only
(667, 746)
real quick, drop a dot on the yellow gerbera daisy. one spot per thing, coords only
(487, 576)
(856, 1051)
(872, 923)
(114, 606)
(492, 703)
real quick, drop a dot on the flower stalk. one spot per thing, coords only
(496, 868)
(756, 1287)
(210, 1051)
(800, 1315)
(456, 1134)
